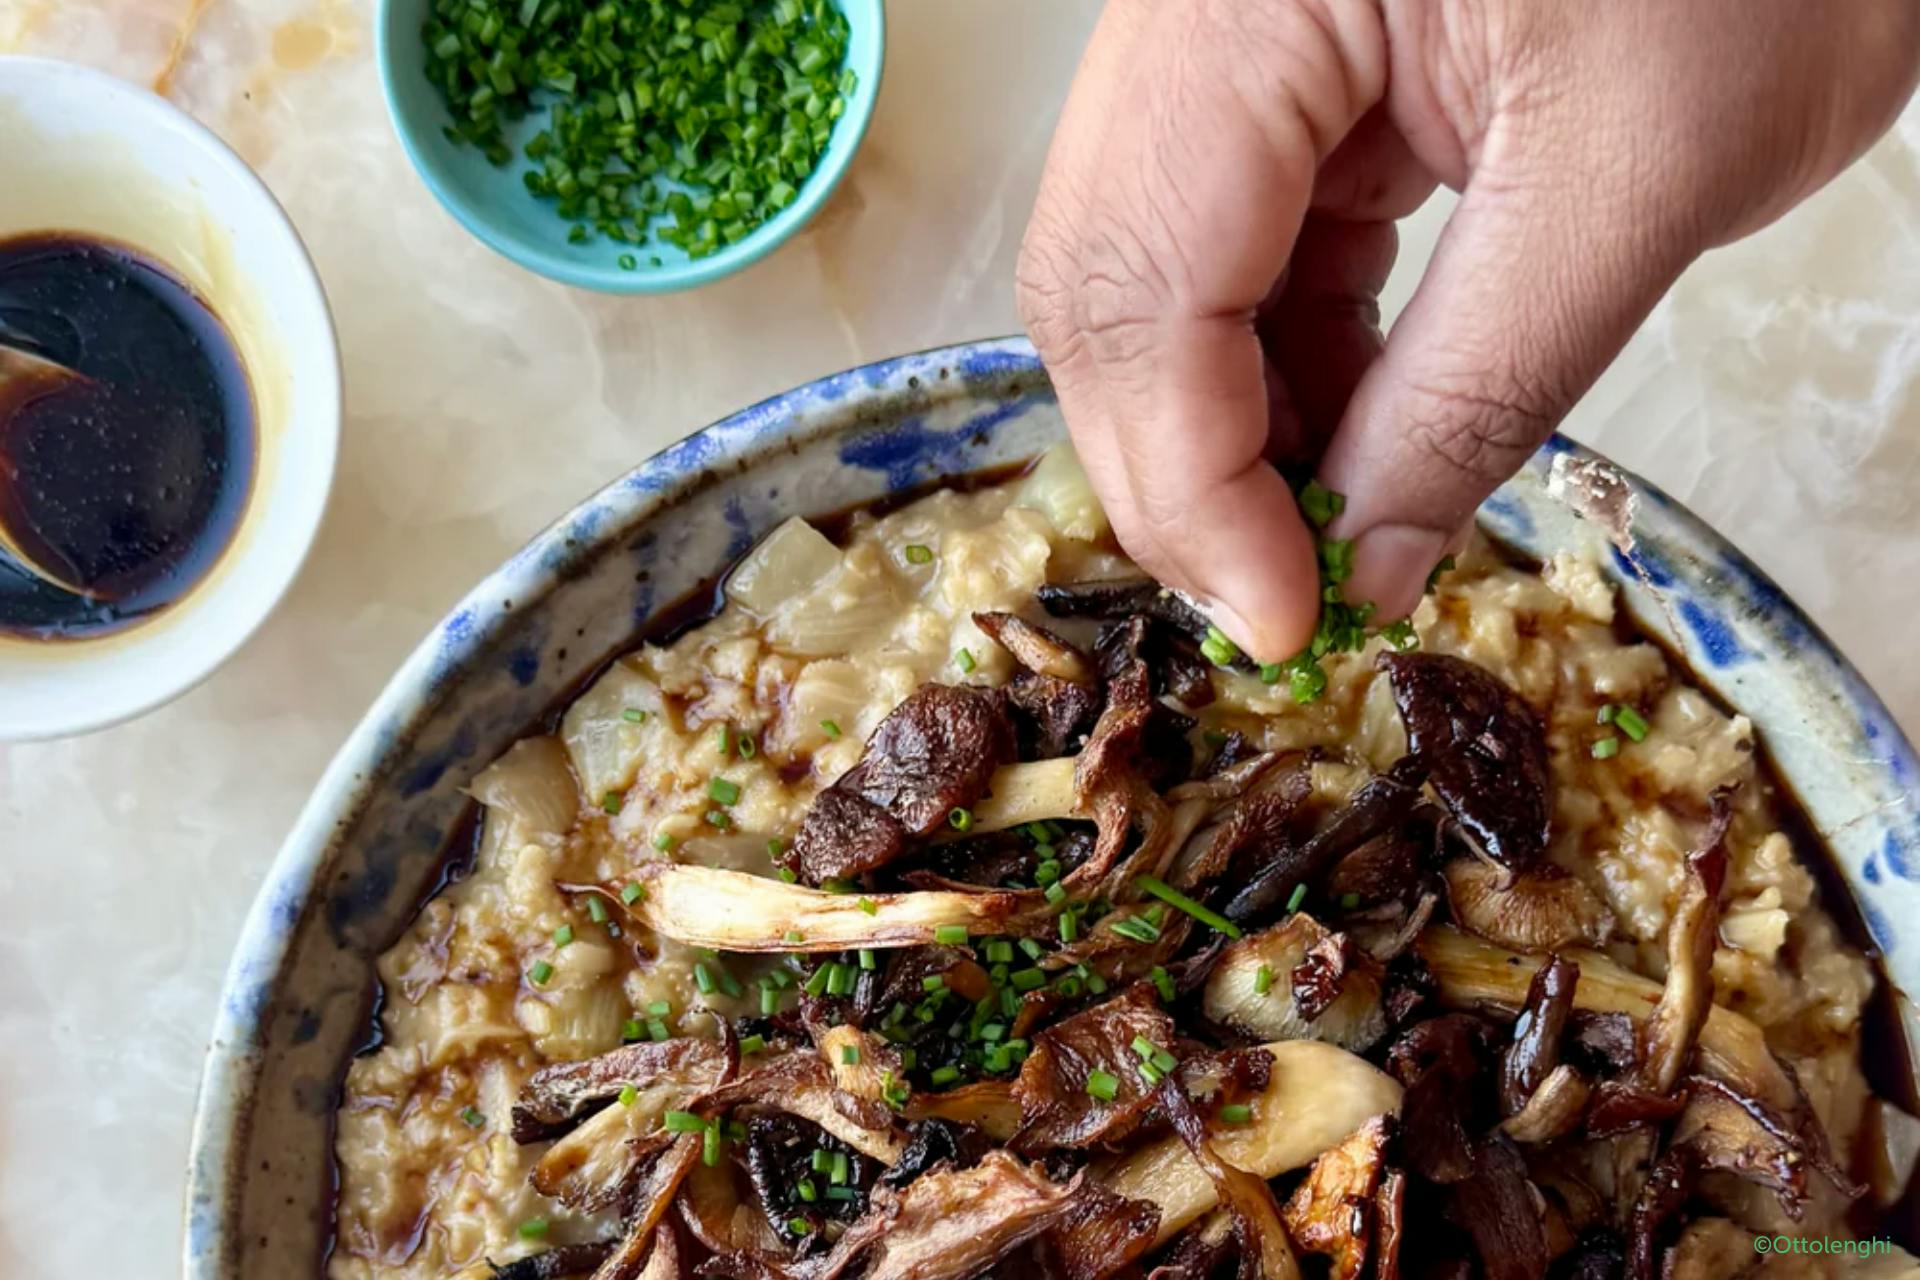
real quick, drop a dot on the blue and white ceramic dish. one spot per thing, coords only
(367, 847)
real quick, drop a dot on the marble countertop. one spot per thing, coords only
(1777, 392)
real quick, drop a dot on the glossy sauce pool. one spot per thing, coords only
(119, 490)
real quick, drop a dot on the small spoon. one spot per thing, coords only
(26, 373)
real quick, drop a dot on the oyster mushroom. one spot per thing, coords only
(1667, 1037)
(1485, 750)
(1255, 989)
(1036, 648)
(1554, 1109)
(1315, 1096)
(1265, 1249)
(1543, 909)
(1472, 973)
(1535, 1051)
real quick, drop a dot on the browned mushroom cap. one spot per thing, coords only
(1553, 1111)
(1443, 1063)
(1485, 748)
(1667, 1039)
(1100, 1235)
(649, 1201)
(1057, 1106)
(1334, 1211)
(555, 1098)
(934, 753)
(1263, 1236)
(1543, 909)
(1122, 598)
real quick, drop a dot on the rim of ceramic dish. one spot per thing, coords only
(670, 278)
(303, 276)
(528, 578)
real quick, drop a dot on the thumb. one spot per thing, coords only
(1530, 294)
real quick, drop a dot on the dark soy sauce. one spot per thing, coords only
(121, 488)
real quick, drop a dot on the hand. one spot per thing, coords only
(1216, 221)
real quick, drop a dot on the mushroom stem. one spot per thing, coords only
(1473, 973)
(1023, 793)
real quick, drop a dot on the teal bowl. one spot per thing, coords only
(494, 204)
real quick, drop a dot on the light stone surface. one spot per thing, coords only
(1777, 392)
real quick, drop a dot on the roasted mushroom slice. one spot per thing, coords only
(1554, 1109)
(1502, 1211)
(1263, 1236)
(1485, 750)
(1036, 648)
(1099, 1236)
(1334, 1210)
(1669, 1183)
(1122, 598)
(1747, 1138)
(1091, 1077)
(1535, 1051)
(1667, 1038)
(1315, 1095)
(1443, 1064)
(1253, 990)
(665, 1073)
(561, 1263)
(647, 1204)
(1543, 909)
(800, 1083)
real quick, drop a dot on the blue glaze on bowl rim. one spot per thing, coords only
(495, 207)
(366, 846)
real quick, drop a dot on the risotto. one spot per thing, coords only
(953, 903)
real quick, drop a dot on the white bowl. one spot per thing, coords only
(83, 152)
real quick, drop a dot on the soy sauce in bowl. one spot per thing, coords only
(119, 489)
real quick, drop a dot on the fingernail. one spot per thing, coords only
(1391, 564)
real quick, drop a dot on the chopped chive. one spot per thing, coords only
(1235, 1113)
(723, 739)
(1164, 1060)
(951, 935)
(1032, 949)
(563, 935)
(850, 1055)
(964, 660)
(821, 1160)
(703, 979)
(1143, 1046)
(1056, 893)
(1631, 723)
(1320, 505)
(868, 906)
(842, 1168)
(933, 982)
(631, 1029)
(1162, 982)
(660, 1008)
(944, 1076)
(633, 715)
(1047, 872)
(1102, 1085)
(752, 1044)
(775, 847)
(799, 1226)
(628, 1095)
(999, 951)
(1263, 980)
(721, 791)
(683, 1122)
(657, 1030)
(840, 983)
(632, 893)
(533, 1229)
(787, 875)
(596, 909)
(806, 1190)
(612, 802)
(829, 728)
(842, 1193)
(1606, 749)
(960, 820)
(719, 818)
(918, 554)
(868, 960)
(1150, 1073)
(472, 1117)
(746, 748)
(1605, 714)
(816, 983)
(1174, 898)
(1298, 896)
(1348, 901)
(1069, 926)
(663, 842)
(793, 935)
(710, 1146)
(1028, 980)
(539, 972)
(769, 1002)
